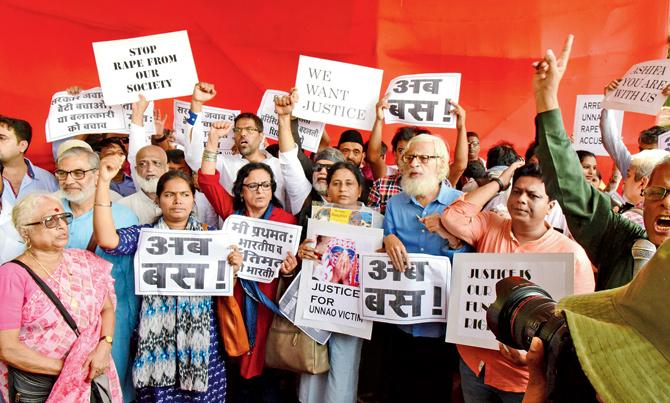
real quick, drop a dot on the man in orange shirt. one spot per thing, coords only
(485, 374)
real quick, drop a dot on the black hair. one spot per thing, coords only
(238, 201)
(650, 135)
(384, 148)
(502, 154)
(168, 176)
(472, 134)
(109, 141)
(531, 150)
(348, 166)
(532, 170)
(405, 134)
(582, 154)
(175, 156)
(249, 115)
(21, 128)
(475, 170)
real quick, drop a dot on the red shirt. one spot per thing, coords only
(251, 364)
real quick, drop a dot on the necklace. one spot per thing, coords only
(73, 301)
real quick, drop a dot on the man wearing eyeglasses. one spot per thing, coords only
(77, 173)
(606, 236)
(249, 138)
(21, 175)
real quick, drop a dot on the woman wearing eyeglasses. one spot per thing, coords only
(46, 358)
(254, 190)
(172, 329)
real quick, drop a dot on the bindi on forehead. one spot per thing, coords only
(56, 209)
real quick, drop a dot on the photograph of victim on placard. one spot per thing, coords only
(339, 260)
(360, 217)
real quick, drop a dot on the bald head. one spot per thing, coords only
(151, 162)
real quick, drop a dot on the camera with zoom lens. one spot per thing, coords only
(523, 310)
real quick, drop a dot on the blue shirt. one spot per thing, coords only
(401, 220)
(36, 180)
(127, 304)
(125, 188)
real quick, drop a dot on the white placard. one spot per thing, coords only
(329, 292)
(337, 93)
(287, 305)
(473, 288)
(86, 113)
(586, 132)
(264, 245)
(310, 132)
(157, 66)
(417, 295)
(641, 87)
(664, 141)
(173, 262)
(208, 116)
(423, 99)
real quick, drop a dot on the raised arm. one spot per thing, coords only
(103, 221)
(203, 92)
(211, 151)
(373, 155)
(608, 131)
(457, 168)
(480, 196)
(138, 136)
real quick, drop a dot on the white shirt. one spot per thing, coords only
(229, 165)
(205, 212)
(144, 208)
(11, 244)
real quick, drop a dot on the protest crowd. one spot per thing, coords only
(214, 262)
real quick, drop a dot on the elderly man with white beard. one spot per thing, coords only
(77, 174)
(149, 165)
(421, 361)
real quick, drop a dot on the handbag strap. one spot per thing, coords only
(51, 295)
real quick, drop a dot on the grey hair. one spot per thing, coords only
(645, 161)
(440, 151)
(22, 212)
(330, 154)
(664, 161)
(81, 152)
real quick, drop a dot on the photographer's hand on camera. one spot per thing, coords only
(512, 355)
(537, 381)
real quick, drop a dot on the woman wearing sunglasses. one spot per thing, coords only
(48, 358)
(254, 190)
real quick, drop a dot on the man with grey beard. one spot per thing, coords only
(150, 164)
(77, 174)
(422, 364)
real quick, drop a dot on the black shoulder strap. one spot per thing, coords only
(51, 295)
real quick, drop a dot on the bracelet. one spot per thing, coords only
(500, 184)
(103, 205)
(209, 156)
(192, 116)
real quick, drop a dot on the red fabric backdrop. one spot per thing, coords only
(247, 47)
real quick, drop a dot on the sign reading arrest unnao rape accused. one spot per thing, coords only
(157, 66)
(586, 133)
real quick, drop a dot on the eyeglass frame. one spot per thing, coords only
(248, 129)
(316, 167)
(65, 217)
(253, 186)
(58, 172)
(409, 158)
(666, 191)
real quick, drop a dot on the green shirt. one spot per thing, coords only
(606, 236)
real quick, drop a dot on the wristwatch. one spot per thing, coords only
(108, 339)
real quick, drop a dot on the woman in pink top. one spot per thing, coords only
(35, 339)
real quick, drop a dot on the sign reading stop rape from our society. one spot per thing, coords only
(641, 88)
(417, 295)
(473, 288)
(208, 116)
(264, 245)
(171, 262)
(157, 66)
(337, 93)
(586, 132)
(309, 132)
(423, 99)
